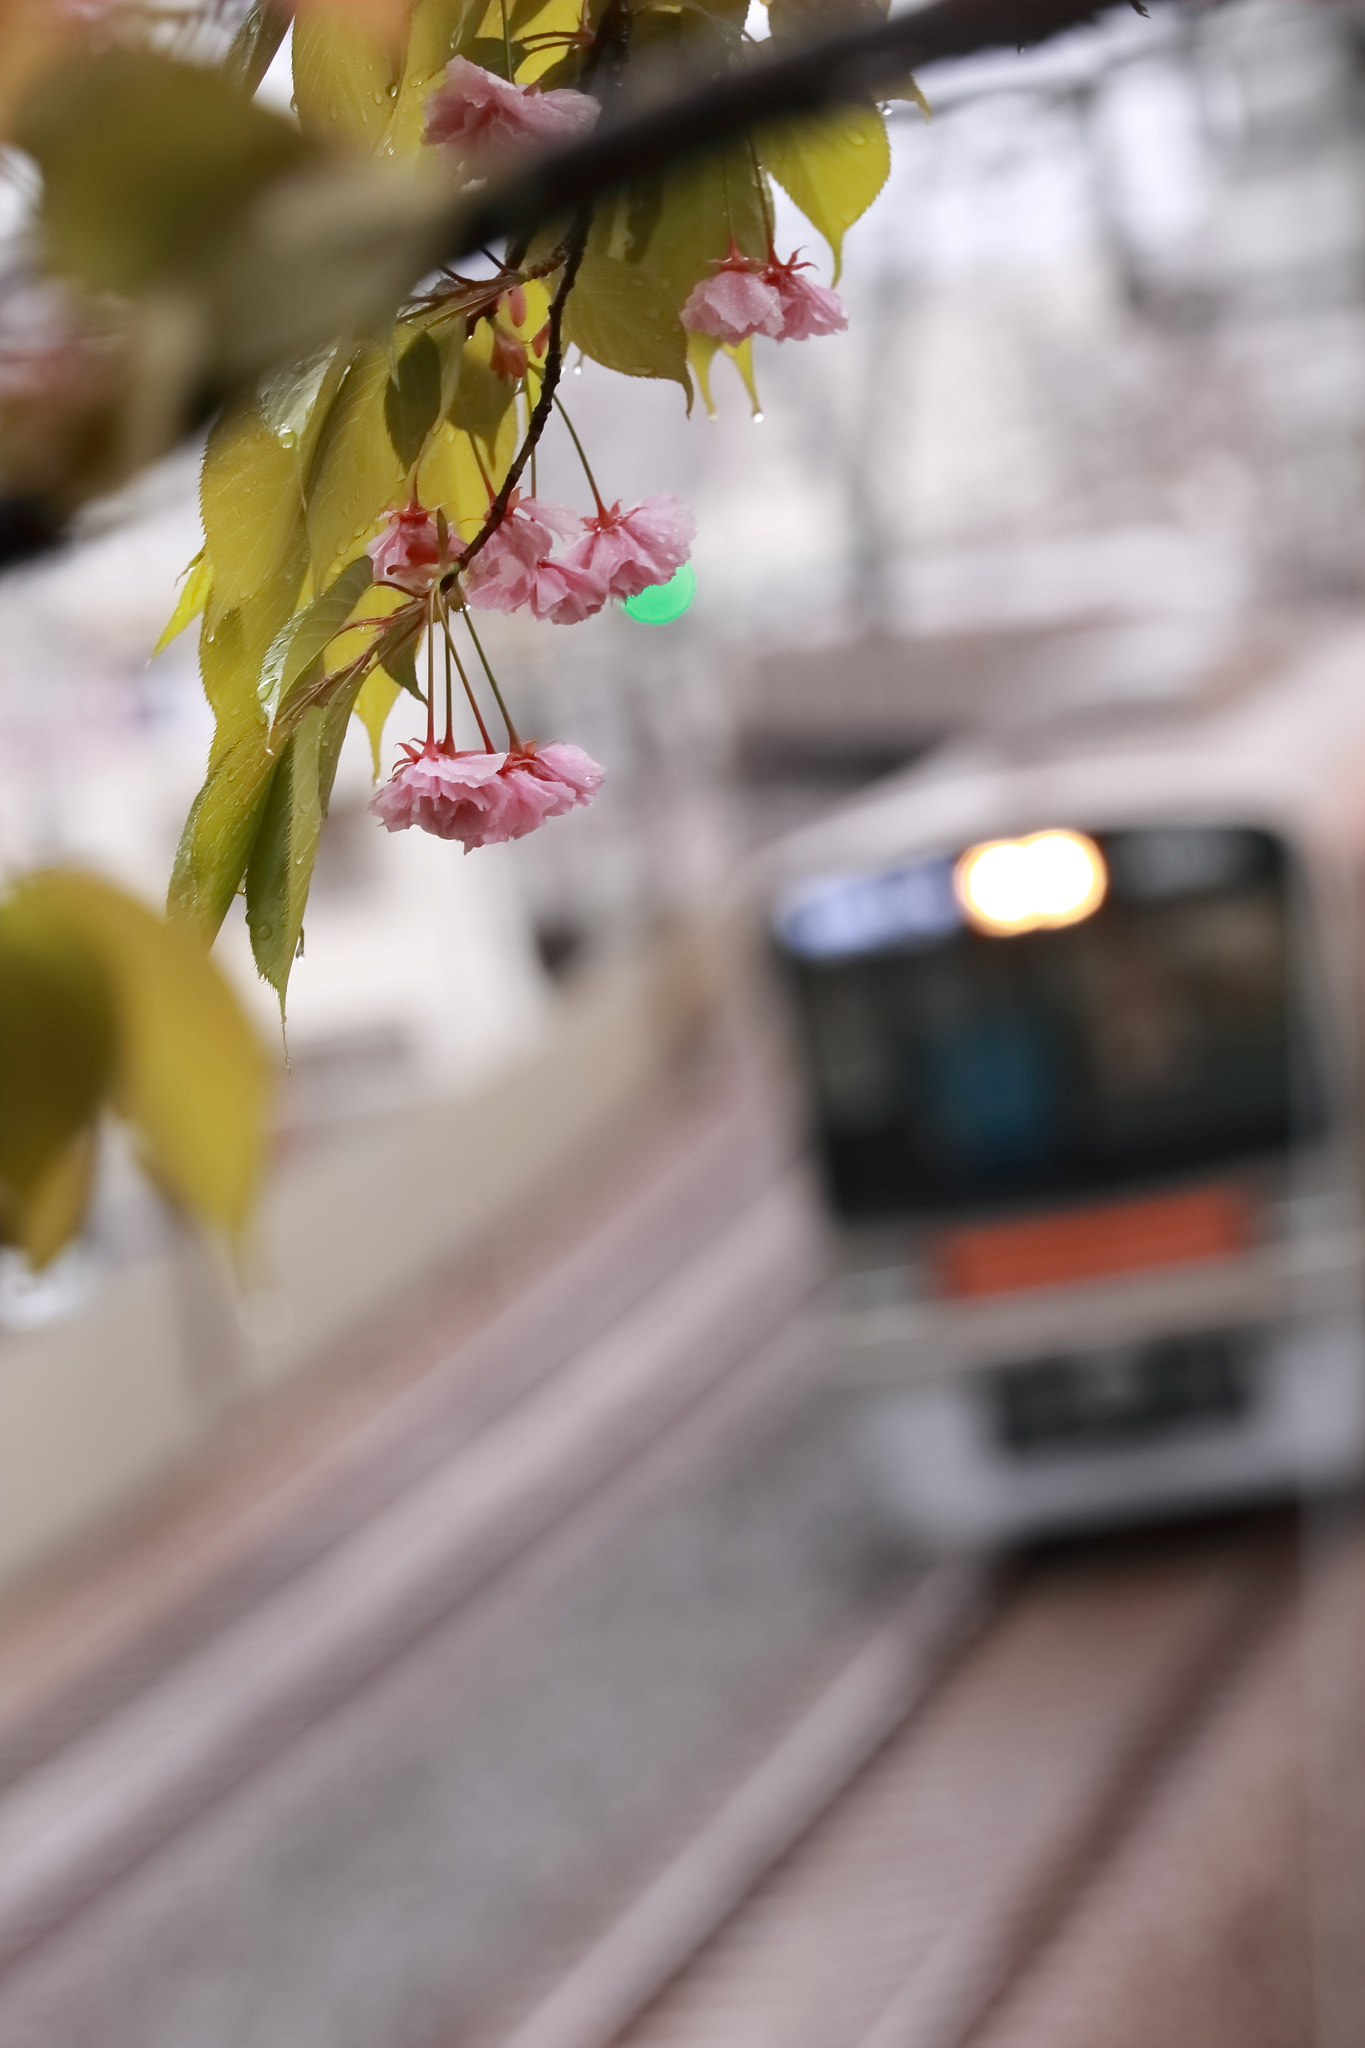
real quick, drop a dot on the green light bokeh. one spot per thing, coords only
(663, 601)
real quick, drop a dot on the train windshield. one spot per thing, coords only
(1165, 1032)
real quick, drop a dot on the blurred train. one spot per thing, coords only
(1080, 1023)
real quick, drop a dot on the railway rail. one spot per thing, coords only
(111, 1748)
(892, 1875)
(911, 1849)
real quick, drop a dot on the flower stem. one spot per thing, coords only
(431, 669)
(575, 242)
(482, 467)
(587, 469)
(507, 41)
(513, 735)
(763, 199)
(450, 705)
(468, 687)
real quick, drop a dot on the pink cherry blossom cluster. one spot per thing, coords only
(611, 554)
(747, 297)
(481, 797)
(476, 113)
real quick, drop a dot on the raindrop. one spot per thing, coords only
(758, 419)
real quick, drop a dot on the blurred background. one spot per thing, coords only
(480, 1616)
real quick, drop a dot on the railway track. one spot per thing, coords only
(901, 1832)
(892, 1873)
(517, 1441)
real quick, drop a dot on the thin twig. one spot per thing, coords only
(544, 405)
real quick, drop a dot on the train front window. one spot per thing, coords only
(1161, 1034)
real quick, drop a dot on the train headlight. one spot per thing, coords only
(1032, 884)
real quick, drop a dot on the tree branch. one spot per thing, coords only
(833, 71)
(577, 242)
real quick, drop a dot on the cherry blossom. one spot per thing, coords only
(626, 552)
(408, 552)
(807, 308)
(481, 798)
(475, 112)
(515, 570)
(737, 302)
(748, 297)
(507, 357)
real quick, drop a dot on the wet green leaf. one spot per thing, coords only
(441, 29)
(346, 77)
(482, 397)
(378, 695)
(702, 350)
(832, 167)
(680, 226)
(250, 502)
(412, 398)
(296, 653)
(355, 472)
(281, 865)
(194, 594)
(619, 314)
(218, 835)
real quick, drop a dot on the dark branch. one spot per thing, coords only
(577, 242)
(835, 71)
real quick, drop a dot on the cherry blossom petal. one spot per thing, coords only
(564, 593)
(500, 578)
(481, 799)
(476, 112)
(408, 551)
(629, 551)
(733, 305)
(807, 309)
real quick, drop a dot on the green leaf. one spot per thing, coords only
(281, 870)
(194, 595)
(146, 163)
(680, 226)
(295, 401)
(621, 316)
(355, 472)
(221, 828)
(296, 653)
(702, 350)
(249, 498)
(345, 78)
(482, 397)
(189, 1073)
(833, 167)
(56, 1066)
(281, 865)
(488, 51)
(412, 399)
(441, 29)
(57, 1207)
(378, 695)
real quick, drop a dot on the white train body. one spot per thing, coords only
(1095, 1188)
